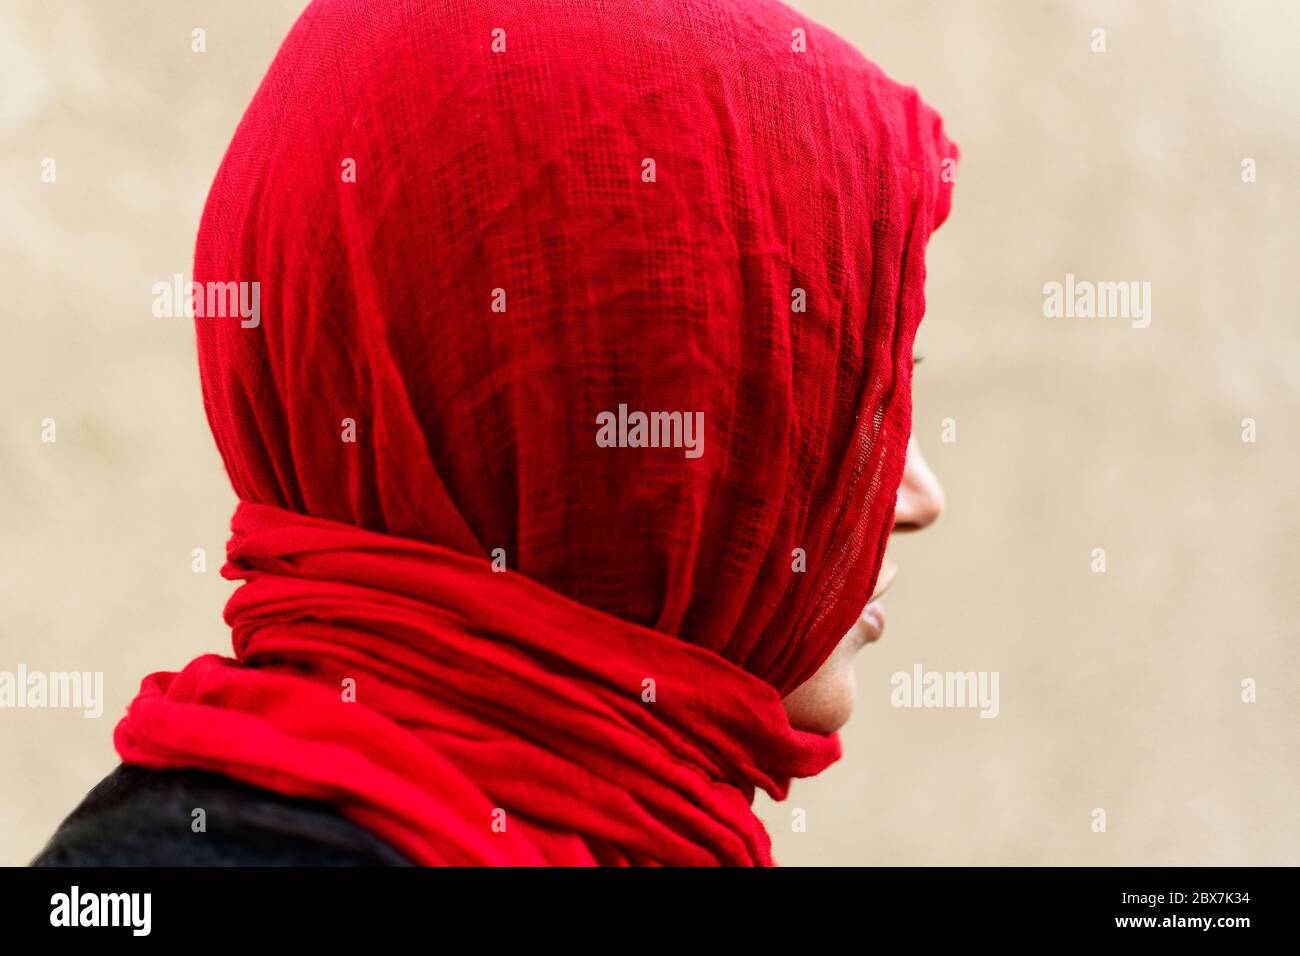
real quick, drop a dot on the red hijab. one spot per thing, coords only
(476, 229)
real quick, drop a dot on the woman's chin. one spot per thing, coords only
(824, 703)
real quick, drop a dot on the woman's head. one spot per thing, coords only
(617, 298)
(487, 238)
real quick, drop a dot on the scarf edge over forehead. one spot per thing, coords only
(529, 711)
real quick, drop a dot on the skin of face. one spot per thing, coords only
(824, 701)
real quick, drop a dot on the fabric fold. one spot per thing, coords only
(408, 683)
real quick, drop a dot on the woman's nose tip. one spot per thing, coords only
(920, 496)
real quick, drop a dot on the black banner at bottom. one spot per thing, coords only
(243, 905)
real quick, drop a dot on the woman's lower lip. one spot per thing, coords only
(873, 617)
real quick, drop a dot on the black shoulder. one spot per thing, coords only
(141, 817)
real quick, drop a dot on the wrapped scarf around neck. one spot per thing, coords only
(477, 229)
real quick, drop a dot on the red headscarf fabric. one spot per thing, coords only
(478, 231)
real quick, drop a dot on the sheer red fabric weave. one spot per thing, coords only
(477, 229)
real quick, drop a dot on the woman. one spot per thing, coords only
(567, 444)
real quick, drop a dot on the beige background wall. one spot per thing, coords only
(1119, 691)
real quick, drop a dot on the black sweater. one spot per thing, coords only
(141, 817)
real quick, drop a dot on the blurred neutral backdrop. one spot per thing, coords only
(1119, 691)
